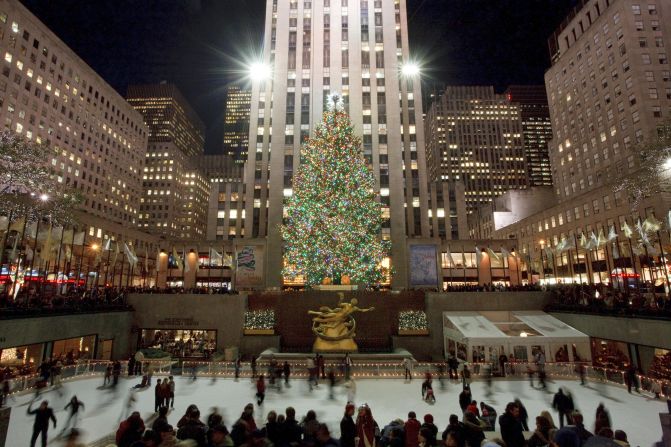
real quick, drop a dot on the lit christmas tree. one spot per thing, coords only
(333, 222)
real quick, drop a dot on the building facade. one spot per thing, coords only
(536, 130)
(475, 136)
(49, 95)
(609, 92)
(174, 203)
(236, 122)
(354, 49)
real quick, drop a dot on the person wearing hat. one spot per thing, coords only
(167, 434)
(429, 425)
(220, 437)
(366, 427)
(347, 427)
(193, 429)
(511, 427)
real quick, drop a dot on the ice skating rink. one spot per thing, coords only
(389, 399)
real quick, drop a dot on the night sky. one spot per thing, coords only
(201, 45)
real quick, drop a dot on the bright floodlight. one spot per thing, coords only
(410, 69)
(44, 197)
(259, 71)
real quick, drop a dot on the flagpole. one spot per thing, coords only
(663, 257)
(4, 238)
(37, 235)
(463, 261)
(209, 269)
(81, 259)
(23, 235)
(608, 269)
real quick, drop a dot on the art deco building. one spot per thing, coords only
(176, 193)
(474, 136)
(236, 123)
(96, 140)
(609, 91)
(354, 49)
(536, 130)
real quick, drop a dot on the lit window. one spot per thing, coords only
(8, 57)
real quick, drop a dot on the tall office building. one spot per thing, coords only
(609, 91)
(536, 130)
(176, 193)
(96, 140)
(475, 136)
(354, 49)
(236, 122)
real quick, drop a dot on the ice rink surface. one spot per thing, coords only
(389, 399)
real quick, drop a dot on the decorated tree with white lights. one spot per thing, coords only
(333, 222)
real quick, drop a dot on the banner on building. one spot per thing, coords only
(249, 266)
(423, 266)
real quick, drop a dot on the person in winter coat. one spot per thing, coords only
(455, 429)
(161, 420)
(511, 428)
(158, 395)
(290, 429)
(602, 419)
(310, 425)
(488, 415)
(561, 404)
(524, 416)
(193, 429)
(185, 418)
(429, 425)
(465, 398)
(171, 393)
(542, 436)
(74, 405)
(41, 425)
(386, 435)
(130, 430)
(473, 408)
(260, 389)
(323, 438)
(426, 438)
(347, 427)
(472, 430)
(412, 427)
(272, 429)
(220, 437)
(366, 427)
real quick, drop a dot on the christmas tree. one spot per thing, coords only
(333, 222)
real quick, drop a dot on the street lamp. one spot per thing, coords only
(410, 69)
(259, 71)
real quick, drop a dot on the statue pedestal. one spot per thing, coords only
(346, 345)
(336, 288)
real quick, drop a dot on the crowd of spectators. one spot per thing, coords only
(603, 299)
(358, 428)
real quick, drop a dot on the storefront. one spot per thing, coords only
(68, 351)
(181, 343)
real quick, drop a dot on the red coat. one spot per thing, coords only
(412, 427)
(261, 386)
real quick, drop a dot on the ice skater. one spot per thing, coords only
(108, 375)
(237, 368)
(350, 385)
(74, 405)
(41, 425)
(286, 369)
(171, 392)
(332, 383)
(260, 389)
(407, 366)
(116, 372)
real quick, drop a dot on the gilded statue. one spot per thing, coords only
(336, 328)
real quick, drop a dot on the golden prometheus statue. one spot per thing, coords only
(336, 328)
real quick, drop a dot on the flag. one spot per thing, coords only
(176, 259)
(583, 240)
(68, 235)
(215, 256)
(227, 260)
(116, 253)
(651, 225)
(12, 255)
(505, 252)
(78, 238)
(593, 241)
(157, 265)
(146, 259)
(493, 254)
(448, 253)
(132, 258)
(601, 239)
(29, 253)
(612, 235)
(628, 232)
(550, 256)
(186, 262)
(616, 250)
(17, 225)
(108, 245)
(3, 223)
(478, 256)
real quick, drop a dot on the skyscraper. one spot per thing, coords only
(176, 193)
(236, 122)
(475, 136)
(536, 130)
(356, 50)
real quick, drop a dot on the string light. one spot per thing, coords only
(412, 320)
(334, 222)
(260, 319)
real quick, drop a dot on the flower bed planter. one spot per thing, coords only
(413, 332)
(259, 331)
